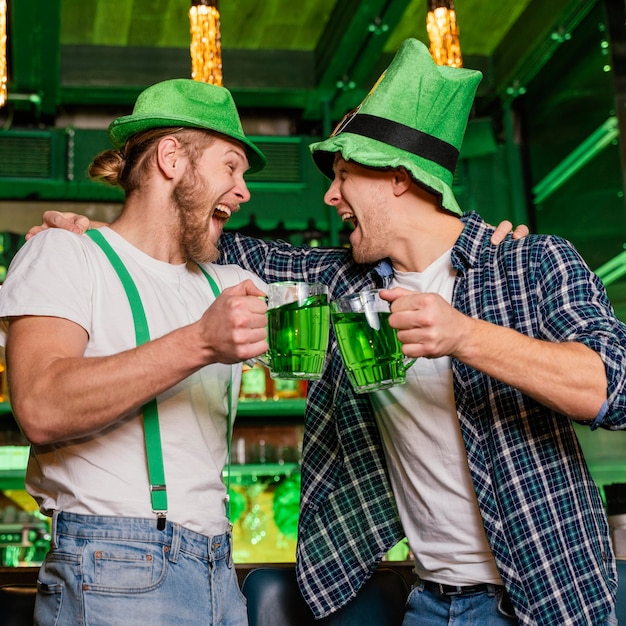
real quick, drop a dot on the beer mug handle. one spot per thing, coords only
(408, 361)
(262, 359)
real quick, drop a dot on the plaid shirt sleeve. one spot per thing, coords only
(278, 260)
(348, 517)
(575, 307)
(541, 510)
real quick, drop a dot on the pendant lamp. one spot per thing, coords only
(206, 41)
(443, 33)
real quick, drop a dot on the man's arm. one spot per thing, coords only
(80, 223)
(567, 377)
(58, 394)
(73, 222)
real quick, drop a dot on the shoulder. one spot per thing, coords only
(544, 249)
(54, 245)
(230, 275)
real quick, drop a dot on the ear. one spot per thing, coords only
(167, 155)
(401, 181)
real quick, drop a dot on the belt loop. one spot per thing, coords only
(175, 542)
(54, 530)
(229, 540)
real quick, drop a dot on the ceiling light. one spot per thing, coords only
(206, 41)
(443, 33)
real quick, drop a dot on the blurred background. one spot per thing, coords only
(544, 146)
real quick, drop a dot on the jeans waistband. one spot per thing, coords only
(139, 529)
(455, 590)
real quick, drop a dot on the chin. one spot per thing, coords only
(210, 257)
(360, 257)
(208, 253)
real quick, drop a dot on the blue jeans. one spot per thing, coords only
(428, 608)
(123, 571)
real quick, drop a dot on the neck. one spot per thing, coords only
(424, 234)
(152, 226)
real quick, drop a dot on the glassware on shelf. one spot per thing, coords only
(289, 389)
(256, 383)
(254, 522)
(24, 538)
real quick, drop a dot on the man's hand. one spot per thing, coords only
(427, 325)
(69, 221)
(504, 228)
(233, 327)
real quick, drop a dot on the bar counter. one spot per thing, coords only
(28, 575)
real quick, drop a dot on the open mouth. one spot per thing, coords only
(222, 212)
(350, 218)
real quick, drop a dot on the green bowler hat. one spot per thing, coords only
(415, 116)
(188, 103)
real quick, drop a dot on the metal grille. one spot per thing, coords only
(283, 162)
(25, 156)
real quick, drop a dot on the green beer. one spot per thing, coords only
(297, 334)
(372, 356)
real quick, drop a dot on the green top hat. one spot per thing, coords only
(415, 117)
(188, 103)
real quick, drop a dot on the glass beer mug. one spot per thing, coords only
(298, 323)
(369, 347)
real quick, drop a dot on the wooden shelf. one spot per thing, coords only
(263, 469)
(247, 408)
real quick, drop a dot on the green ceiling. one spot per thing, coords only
(267, 25)
(313, 58)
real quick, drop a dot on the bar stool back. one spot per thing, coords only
(17, 605)
(274, 599)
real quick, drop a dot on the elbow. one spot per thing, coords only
(592, 407)
(33, 423)
(34, 435)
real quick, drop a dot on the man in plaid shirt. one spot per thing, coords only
(519, 339)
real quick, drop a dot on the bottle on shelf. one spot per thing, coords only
(287, 389)
(256, 383)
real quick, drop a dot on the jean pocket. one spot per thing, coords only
(125, 566)
(54, 574)
(505, 607)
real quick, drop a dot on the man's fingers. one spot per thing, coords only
(503, 229)
(521, 231)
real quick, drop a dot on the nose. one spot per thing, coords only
(242, 192)
(331, 197)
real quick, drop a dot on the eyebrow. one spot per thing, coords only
(240, 152)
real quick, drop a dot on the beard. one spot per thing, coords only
(375, 235)
(193, 198)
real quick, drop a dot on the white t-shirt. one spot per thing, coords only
(60, 274)
(427, 460)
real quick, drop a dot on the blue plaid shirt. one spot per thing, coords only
(542, 512)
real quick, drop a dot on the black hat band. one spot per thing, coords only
(403, 137)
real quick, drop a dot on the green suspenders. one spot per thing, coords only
(152, 433)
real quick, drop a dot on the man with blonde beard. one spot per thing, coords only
(124, 357)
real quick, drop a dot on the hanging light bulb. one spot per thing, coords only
(3, 52)
(206, 41)
(443, 33)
